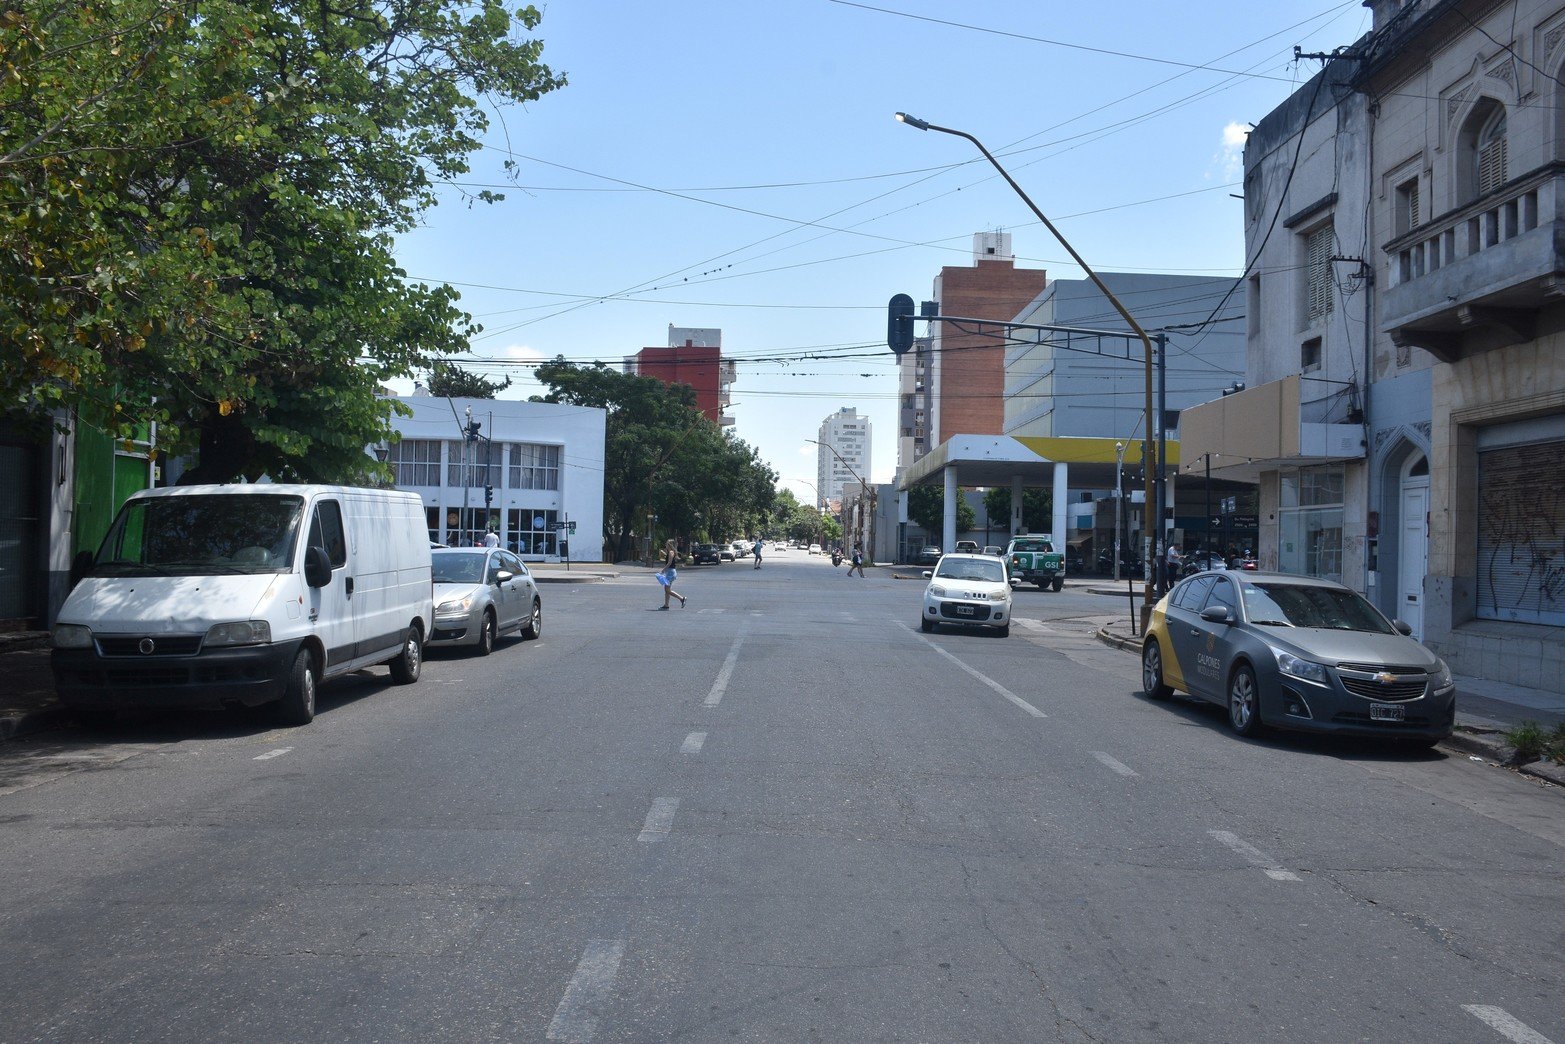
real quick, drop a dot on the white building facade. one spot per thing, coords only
(849, 435)
(527, 471)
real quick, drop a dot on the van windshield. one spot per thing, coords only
(201, 535)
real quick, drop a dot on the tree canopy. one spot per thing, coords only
(197, 205)
(926, 507)
(1037, 507)
(448, 381)
(667, 468)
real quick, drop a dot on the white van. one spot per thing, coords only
(244, 595)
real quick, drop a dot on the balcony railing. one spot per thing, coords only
(1489, 265)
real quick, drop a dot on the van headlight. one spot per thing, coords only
(937, 591)
(1440, 677)
(72, 636)
(1304, 670)
(999, 596)
(245, 632)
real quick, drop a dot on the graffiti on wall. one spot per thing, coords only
(1521, 534)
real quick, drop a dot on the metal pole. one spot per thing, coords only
(1119, 500)
(1206, 527)
(1162, 463)
(467, 478)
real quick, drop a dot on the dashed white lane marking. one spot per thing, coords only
(693, 743)
(576, 1019)
(1115, 764)
(996, 686)
(1254, 856)
(721, 684)
(1505, 1024)
(659, 820)
(269, 755)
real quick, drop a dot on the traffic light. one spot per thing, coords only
(899, 324)
(488, 495)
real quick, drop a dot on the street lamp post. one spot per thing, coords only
(866, 491)
(1149, 467)
(1119, 500)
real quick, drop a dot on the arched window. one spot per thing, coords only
(1489, 155)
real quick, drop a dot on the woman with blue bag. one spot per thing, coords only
(667, 574)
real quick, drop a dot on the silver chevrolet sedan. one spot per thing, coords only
(1299, 653)
(480, 594)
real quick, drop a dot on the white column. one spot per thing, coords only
(948, 536)
(1016, 504)
(1061, 507)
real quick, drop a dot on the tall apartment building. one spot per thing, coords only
(694, 356)
(849, 434)
(960, 379)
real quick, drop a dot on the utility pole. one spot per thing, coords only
(467, 477)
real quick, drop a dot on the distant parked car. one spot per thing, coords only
(706, 553)
(967, 547)
(742, 550)
(993, 549)
(480, 594)
(725, 552)
(929, 555)
(815, 549)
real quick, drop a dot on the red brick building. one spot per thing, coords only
(697, 360)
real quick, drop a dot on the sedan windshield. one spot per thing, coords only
(971, 569)
(201, 535)
(457, 568)
(1305, 605)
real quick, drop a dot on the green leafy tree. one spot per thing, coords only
(1037, 507)
(661, 456)
(926, 507)
(197, 210)
(449, 381)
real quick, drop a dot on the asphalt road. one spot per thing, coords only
(780, 813)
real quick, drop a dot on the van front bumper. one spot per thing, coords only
(249, 675)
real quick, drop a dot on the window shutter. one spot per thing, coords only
(1317, 267)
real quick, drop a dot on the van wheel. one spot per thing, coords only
(533, 628)
(927, 624)
(297, 707)
(405, 668)
(486, 636)
(1005, 632)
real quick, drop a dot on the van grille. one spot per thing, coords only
(162, 644)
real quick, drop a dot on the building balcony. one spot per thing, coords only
(1295, 422)
(1476, 278)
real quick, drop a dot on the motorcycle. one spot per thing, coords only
(836, 557)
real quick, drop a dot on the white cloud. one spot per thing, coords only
(1230, 158)
(807, 450)
(519, 351)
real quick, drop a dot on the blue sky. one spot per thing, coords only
(737, 165)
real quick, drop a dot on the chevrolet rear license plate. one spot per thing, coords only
(964, 610)
(1387, 712)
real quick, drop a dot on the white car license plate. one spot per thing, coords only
(1387, 712)
(964, 610)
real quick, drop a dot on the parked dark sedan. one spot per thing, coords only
(1296, 652)
(706, 553)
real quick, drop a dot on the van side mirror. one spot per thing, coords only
(1403, 627)
(928, 574)
(1217, 614)
(317, 566)
(81, 565)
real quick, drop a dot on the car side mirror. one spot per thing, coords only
(1403, 628)
(1014, 582)
(1217, 614)
(317, 566)
(503, 575)
(928, 574)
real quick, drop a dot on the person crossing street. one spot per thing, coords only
(858, 560)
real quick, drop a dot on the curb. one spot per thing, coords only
(1117, 641)
(13, 726)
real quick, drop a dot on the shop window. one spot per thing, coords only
(416, 462)
(1310, 522)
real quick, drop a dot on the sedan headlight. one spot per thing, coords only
(245, 632)
(72, 636)
(455, 607)
(937, 590)
(1304, 670)
(1441, 676)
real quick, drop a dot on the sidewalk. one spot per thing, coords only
(1485, 710)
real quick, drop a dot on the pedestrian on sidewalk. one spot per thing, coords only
(757, 550)
(668, 573)
(858, 560)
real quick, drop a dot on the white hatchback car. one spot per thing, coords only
(971, 590)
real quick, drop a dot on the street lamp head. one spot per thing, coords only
(912, 121)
